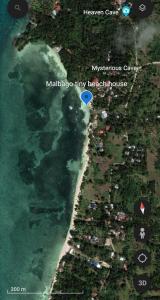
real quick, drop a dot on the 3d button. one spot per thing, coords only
(17, 8)
(141, 283)
(142, 258)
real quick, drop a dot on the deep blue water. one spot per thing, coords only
(39, 135)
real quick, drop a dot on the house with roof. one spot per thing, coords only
(56, 9)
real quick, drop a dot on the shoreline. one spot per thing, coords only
(66, 247)
(52, 54)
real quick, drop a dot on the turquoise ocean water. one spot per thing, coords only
(40, 136)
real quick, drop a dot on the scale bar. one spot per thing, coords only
(42, 293)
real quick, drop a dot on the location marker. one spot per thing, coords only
(126, 10)
(86, 97)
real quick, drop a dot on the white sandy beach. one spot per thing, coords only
(85, 160)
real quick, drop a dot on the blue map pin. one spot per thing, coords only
(86, 97)
(126, 10)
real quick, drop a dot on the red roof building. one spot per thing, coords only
(57, 7)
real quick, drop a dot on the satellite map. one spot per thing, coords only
(80, 149)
